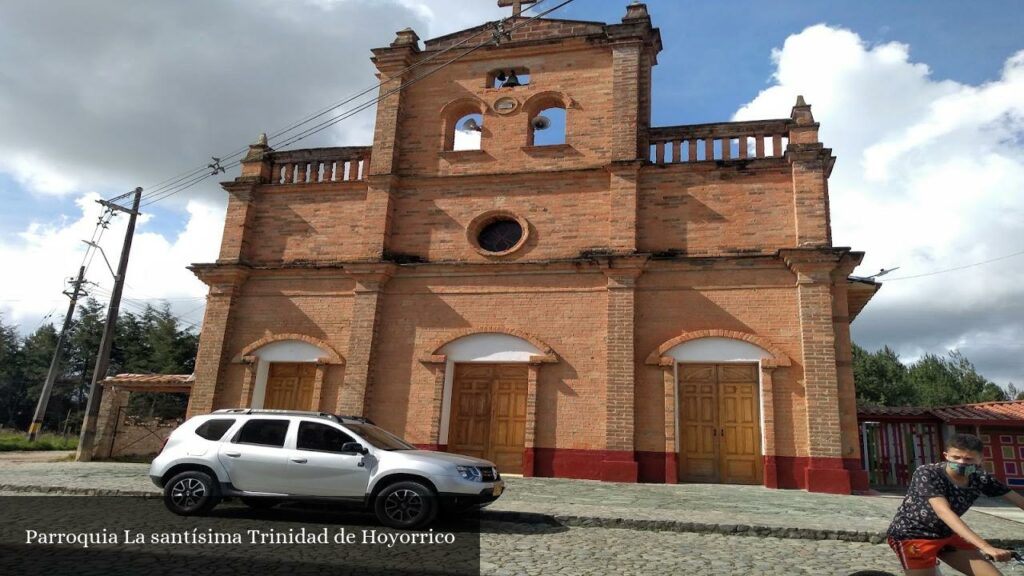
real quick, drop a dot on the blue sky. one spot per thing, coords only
(920, 101)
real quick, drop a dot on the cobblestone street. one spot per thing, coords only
(573, 527)
(503, 548)
(616, 551)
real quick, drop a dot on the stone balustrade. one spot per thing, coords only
(721, 141)
(319, 165)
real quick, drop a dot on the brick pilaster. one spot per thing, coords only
(634, 52)
(358, 385)
(375, 225)
(626, 61)
(844, 367)
(668, 379)
(813, 270)
(256, 167)
(238, 220)
(248, 381)
(811, 165)
(437, 366)
(771, 473)
(622, 204)
(390, 62)
(620, 369)
(225, 283)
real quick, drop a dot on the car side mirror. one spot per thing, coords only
(354, 448)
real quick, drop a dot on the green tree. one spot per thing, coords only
(881, 379)
(37, 350)
(154, 343)
(992, 392)
(13, 391)
(84, 344)
(951, 380)
(1013, 393)
(934, 382)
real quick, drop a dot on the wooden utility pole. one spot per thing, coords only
(92, 409)
(51, 375)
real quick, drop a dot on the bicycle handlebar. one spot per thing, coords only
(1014, 555)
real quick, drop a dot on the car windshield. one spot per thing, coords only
(379, 437)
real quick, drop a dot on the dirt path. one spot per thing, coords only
(37, 456)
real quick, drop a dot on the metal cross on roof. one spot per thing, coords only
(517, 5)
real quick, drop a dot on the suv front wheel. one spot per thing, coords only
(407, 505)
(191, 493)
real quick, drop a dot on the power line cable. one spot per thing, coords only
(964, 267)
(144, 308)
(174, 180)
(328, 123)
(348, 114)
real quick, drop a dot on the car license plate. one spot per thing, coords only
(497, 489)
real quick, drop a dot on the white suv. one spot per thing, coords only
(269, 456)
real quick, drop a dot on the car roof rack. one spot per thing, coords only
(308, 413)
(362, 419)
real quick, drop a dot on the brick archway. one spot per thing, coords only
(433, 352)
(772, 357)
(331, 356)
(443, 370)
(256, 370)
(777, 358)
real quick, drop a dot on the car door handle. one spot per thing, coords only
(299, 460)
(233, 454)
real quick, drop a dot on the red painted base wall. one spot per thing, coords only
(831, 475)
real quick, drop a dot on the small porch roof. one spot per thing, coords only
(1008, 414)
(181, 383)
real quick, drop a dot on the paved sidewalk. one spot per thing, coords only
(704, 508)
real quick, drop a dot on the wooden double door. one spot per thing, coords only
(290, 386)
(719, 424)
(488, 413)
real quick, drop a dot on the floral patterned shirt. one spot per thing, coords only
(916, 519)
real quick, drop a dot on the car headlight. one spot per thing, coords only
(470, 473)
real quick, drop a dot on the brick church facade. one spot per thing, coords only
(633, 303)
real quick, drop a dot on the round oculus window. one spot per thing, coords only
(500, 236)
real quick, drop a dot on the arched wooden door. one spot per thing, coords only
(290, 386)
(719, 424)
(488, 415)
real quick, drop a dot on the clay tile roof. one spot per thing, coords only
(1010, 412)
(868, 411)
(151, 382)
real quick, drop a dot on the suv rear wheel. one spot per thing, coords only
(408, 504)
(191, 493)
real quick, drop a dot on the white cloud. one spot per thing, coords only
(467, 140)
(100, 98)
(38, 176)
(929, 177)
(97, 97)
(45, 255)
